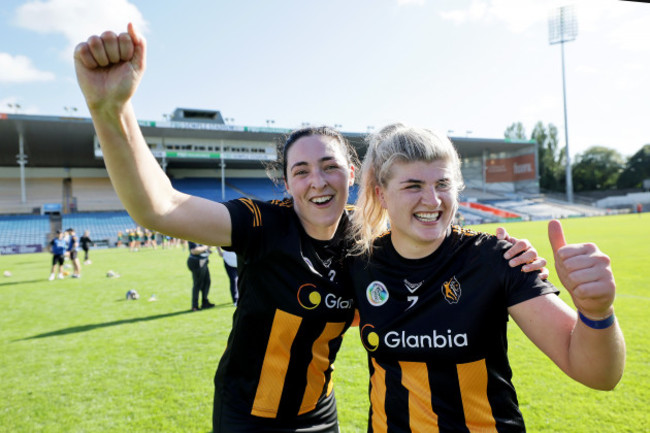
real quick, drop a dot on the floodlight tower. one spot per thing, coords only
(563, 27)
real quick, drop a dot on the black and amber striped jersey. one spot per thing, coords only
(291, 315)
(435, 332)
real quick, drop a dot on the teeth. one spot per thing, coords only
(323, 199)
(428, 216)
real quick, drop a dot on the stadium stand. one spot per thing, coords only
(210, 188)
(95, 194)
(498, 213)
(103, 226)
(35, 229)
(41, 190)
(259, 188)
(196, 147)
(543, 209)
(629, 200)
(24, 229)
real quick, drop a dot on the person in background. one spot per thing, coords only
(133, 240)
(85, 243)
(58, 247)
(152, 239)
(73, 245)
(197, 263)
(230, 264)
(434, 299)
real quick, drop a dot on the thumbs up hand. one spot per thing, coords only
(585, 272)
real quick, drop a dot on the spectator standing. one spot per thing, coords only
(197, 263)
(58, 246)
(85, 242)
(73, 244)
(230, 263)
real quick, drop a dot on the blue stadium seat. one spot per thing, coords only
(210, 188)
(24, 229)
(102, 225)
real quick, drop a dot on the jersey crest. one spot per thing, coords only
(377, 293)
(451, 291)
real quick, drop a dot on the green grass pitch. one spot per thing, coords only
(75, 356)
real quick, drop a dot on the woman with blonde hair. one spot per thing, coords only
(434, 299)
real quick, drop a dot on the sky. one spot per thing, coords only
(467, 67)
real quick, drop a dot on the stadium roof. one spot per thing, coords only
(60, 141)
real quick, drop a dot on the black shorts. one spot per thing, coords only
(73, 254)
(57, 259)
(321, 420)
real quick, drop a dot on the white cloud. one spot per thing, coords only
(477, 11)
(633, 36)
(410, 2)
(78, 19)
(545, 107)
(19, 69)
(520, 15)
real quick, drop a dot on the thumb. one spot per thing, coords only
(135, 35)
(556, 235)
(139, 44)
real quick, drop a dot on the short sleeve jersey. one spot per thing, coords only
(59, 246)
(291, 315)
(72, 243)
(435, 332)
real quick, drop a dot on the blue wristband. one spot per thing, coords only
(597, 324)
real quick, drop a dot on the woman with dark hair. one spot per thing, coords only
(276, 373)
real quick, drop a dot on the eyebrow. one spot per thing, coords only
(412, 181)
(442, 179)
(302, 163)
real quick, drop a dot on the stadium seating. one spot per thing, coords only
(260, 188)
(95, 195)
(34, 229)
(102, 225)
(210, 188)
(24, 229)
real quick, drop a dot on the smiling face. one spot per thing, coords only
(318, 178)
(420, 199)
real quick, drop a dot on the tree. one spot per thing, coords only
(598, 168)
(516, 131)
(636, 169)
(550, 158)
